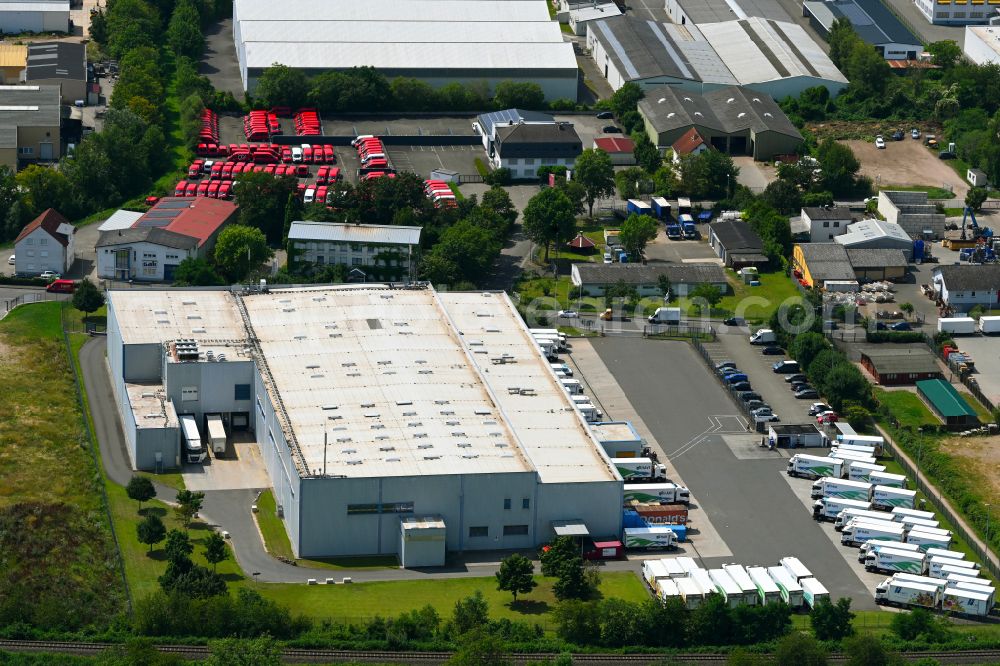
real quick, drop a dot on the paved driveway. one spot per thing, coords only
(219, 63)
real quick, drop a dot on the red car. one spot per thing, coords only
(322, 174)
(194, 171)
(216, 172)
(301, 170)
(180, 189)
(827, 417)
(227, 170)
(191, 189)
(152, 201)
(203, 188)
(225, 189)
(213, 189)
(307, 153)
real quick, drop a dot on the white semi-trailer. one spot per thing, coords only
(906, 594)
(795, 567)
(940, 567)
(859, 471)
(813, 592)
(740, 576)
(875, 544)
(663, 493)
(874, 441)
(690, 592)
(194, 452)
(890, 560)
(654, 537)
(767, 591)
(637, 470)
(847, 515)
(857, 532)
(899, 512)
(216, 433)
(791, 591)
(667, 589)
(828, 508)
(814, 467)
(727, 587)
(886, 479)
(927, 540)
(885, 497)
(841, 489)
(966, 602)
(653, 570)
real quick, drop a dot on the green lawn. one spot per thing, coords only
(907, 407)
(981, 411)
(757, 304)
(363, 600)
(932, 192)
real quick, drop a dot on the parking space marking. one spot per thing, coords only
(716, 427)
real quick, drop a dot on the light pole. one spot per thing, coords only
(988, 512)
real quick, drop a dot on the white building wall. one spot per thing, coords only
(957, 12)
(824, 231)
(979, 49)
(38, 252)
(527, 167)
(146, 263)
(353, 254)
(278, 461)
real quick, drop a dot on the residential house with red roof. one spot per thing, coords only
(620, 149)
(45, 244)
(690, 143)
(173, 230)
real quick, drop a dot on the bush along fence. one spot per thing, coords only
(952, 486)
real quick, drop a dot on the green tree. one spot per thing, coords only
(518, 95)
(516, 575)
(806, 346)
(575, 192)
(841, 38)
(151, 530)
(140, 489)
(480, 648)
(845, 382)
(556, 553)
(215, 549)
(571, 581)
(626, 99)
(498, 200)
(184, 30)
(636, 232)
(945, 53)
(784, 196)
(548, 218)
(840, 166)
(178, 546)
(464, 252)
(646, 154)
(975, 198)
(280, 85)
(832, 622)
(260, 651)
(471, 612)
(240, 250)
(866, 650)
(12, 211)
(799, 649)
(867, 71)
(593, 169)
(43, 188)
(741, 657)
(621, 623)
(710, 623)
(706, 295)
(631, 182)
(577, 622)
(196, 272)
(906, 308)
(663, 284)
(920, 624)
(411, 94)
(709, 174)
(188, 504)
(87, 298)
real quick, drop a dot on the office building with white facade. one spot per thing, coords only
(958, 12)
(376, 410)
(370, 252)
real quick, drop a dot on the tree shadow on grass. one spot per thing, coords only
(200, 527)
(153, 511)
(231, 577)
(159, 555)
(529, 607)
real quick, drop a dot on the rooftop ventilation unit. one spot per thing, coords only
(387, 448)
(393, 459)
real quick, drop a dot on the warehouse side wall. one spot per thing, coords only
(275, 451)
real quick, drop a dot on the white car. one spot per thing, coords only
(567, 314)
(11, 260)
(309, 196)
(879, 142)
(49, 275)
(607, 258)
(296, 153)
(818, 407)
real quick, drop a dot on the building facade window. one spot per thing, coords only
(189, 394)
(241, 392)
(506, 504)
(515, 530)
(526, 503)
(475, 532)
(43, 241)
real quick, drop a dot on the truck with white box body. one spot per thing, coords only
(814, 467)
(943, 552)
(690, 592)
(847, 515)
(874, 441)
(813, 592)
(796, 568)
(572, 386)
(664, 493)
(883, 478)
(888, 498)
(701, 577)
(751, 597)
(966, 602)
(905, 594)
(216, 433)
(989, 325)
(854, 448)
(940, 567)
(957, 325)
(727, 587)
(666, 589)
(666, 316)
(654, 537)
(920, 524)
(859, 471)
(849, 456)
(767, 590)
(828, 508)
(674, 568)
(986, 589)
(927, 540)
(857, 532)
(763, 336)
(653, 570)
(637, 470)
(923, 580)
(834, 488)
(971, 577)
(891, 560)
(914, 513)
(194, 452)
(590, 413)
(791, 591)
(875, 544)
(687, 563)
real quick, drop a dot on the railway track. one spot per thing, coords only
(300, 656)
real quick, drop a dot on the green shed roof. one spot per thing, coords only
(945, 398)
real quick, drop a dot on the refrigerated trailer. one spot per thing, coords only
(859, 471)
(885, 497)
(791, 591)
(767, 590)
(927, 540)
(727, 587)
(690, 592)
(664, 493)
(796, 568)
(650, 538)
(841, 489)
(652, 570)
(194, 452)
(914, 513)
(828, 508)
(891, 560)
(814, 467)
(847, 515)
(876, 544)
(740, 576)
(216, 433)
(857, 532)
(639, 469)
(813, 592)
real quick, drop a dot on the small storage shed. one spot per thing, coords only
(794, 435)
(422, 541)
(947, 403)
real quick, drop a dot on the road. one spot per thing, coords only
(742, 488)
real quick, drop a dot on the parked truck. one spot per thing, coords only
(653, 570)
(888, 498)
(927, 540)
(957, 325)
(216, 433)
(899, 512)
(194, 452)
(814, 467)
(665, 589)
(847, 515)
(874, 441)
(762, 336)
(859, 471)
(635, 206)
(640, 469)
(936, 564)
(663, 514)
(767, 590)
(654, 537)
(663, 493)
(891, 560)
(906, 594)
(661, 208)
(674, 231)
(857, 532)
(989, 325)
(828, 508)
(813, 592)
(850, 456)
(920, 523)
(727, 587)
(835, 488)
(739, 574)
(966, 602)
(687, 226)
(888, 480)
(868, 451)
(875, 544)
(982, 588)
(791, 591)
(796, 568)
(666, 316)
(690, 592)
(943, 552)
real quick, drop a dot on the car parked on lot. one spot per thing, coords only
(901, 326)
(734, 377)
(61, 287)
(605, 115)
(806, 393)
(740, 386)
(10, 260)
(880, 142)
(746, 396)
(785, 367)
(772, 351)
(797, 377)
(897, 135)
(755, 404)
(611, 129)
(567, 314)
(734, 321)
(798, 386)
(722, 365)
(50, 275)
(914, 133)
(827, 417)
(819, 408)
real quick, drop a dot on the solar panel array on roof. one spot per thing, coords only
(153, 222)
(172, 203)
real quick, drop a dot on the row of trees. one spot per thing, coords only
(366, 89)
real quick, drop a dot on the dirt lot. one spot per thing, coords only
(906, 162)
(980, 458)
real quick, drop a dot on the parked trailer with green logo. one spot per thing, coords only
(649, 538)
(829, 508)
(875, 544)
(842, 489)
(860, 471)
(857, 532)
(814, 467)
(888, 498)
(891, 560)
(639, 469)
(661, 493)
(887, 479)
(767, 590)
(813, 592)
(791, 591)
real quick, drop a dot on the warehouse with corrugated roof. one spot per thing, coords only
(435, 41)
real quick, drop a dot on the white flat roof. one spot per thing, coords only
(377, 32)
(34, 6)
(390, 234)
(150, 407)
(989, 35)
(120, 219)
(424, 56)
(403, 381)
(614, 431)
(394, 11)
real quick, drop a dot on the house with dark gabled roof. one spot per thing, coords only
(965, 286)
(523, 148)
(45, 244)
(737, 244)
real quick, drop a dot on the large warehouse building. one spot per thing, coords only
(374, 407)
(982, 44)
(17, 16)
(435, 41)
(873, 22)
(773, 57)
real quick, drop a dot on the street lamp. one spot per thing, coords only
(255, 574)
(988, 512)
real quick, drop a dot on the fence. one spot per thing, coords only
(967, 379)
(695, 330)
(986, 556)
(6, 305)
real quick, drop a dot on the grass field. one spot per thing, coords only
(907, 407)
(932, 192)
(365, 600)
(55, 542)
(757, 304)
(983, 413)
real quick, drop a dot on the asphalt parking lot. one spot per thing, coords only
(219, 63)
(984, 352)
(743, 489)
